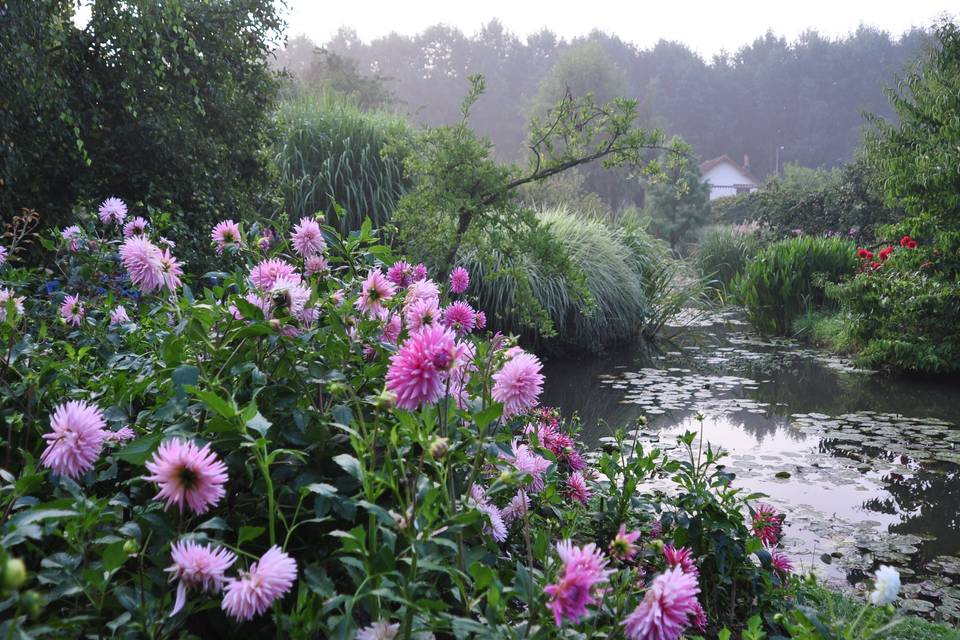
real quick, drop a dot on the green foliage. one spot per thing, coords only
(723, 253)
(165, 104)
(829, 329)
(332, 154)
(788, 278)
(678, 207)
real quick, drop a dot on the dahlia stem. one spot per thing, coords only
(271, 505)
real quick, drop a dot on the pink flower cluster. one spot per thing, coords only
(668, 607)
(148, 266)
(584, 569)
(518, 383)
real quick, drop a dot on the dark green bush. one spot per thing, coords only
(329, 153)
(789, 278)
(723, 253)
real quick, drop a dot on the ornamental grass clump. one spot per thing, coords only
(275, 449)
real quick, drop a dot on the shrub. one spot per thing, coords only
(723, 254)
(331, 154)
(339, 467)
(788, 278)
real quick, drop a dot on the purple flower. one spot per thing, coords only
(307, 238)
(459, 280)
(459, 316)
(72, 310)
(136, 227)
(113, 210)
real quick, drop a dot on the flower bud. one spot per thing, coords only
(337, 388)
(14, 574)
(386, 400)
(508, 476)
(130, 547)
(439, 448)
(657, 545)
(32, 603)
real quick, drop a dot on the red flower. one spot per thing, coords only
(875, 265)
(912, 244)
(905, 240)
(864, 254)
(885, 253)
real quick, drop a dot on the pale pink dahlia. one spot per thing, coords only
(288, 295)
(622, 546)
(682, 557)
(495, 526)
(121, 435)
(375, 291)
(401, 274)
(577, 488)
(422, 290)
(264, 274)
(526, 462)
(113, 210)
(459, 280)
(315, 264)
(517, 508)
(518, 384)
(380, 630)
(119, 316)
(3, 254)
(307, 238)
(72, 311)
(422, 313)
(255, 590)
(781, 563)
(583, 569)
(77, 433)
(170, 271)
(135, 227)
(72, 235)
(391, 329)
(225, 234)
(143, 261)
(666, 608)
(459, 317)
(198, 567)
(187, 473)
(767, 524)
(417, 371)
(6, 295)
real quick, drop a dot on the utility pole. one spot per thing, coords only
(779, 149)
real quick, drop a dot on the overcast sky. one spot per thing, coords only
(707, 27)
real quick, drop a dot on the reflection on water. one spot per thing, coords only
(866, 466)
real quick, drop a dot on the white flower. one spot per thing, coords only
(886, 587)
(379, 631)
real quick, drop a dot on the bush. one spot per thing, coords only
(330, 154)
(723, 254)
(247, 413)
(789, 277)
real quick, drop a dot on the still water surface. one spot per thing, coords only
(866, 466)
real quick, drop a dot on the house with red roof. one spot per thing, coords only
(727, 178)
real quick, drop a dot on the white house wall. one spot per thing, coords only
(724, 179)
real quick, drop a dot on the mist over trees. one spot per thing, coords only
(807, 95)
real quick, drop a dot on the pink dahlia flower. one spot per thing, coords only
(459, 280)
(307, 238)
(526, 462)
(6, 295)
(72, 311)
(289, 295)
(666, 608)
(767, 524)
(198, 567)
(517, 508)
(422, 313)
(495, 527)
(315, 264)
(77, 433)
(135, 227)
(583, 569)
(375, 291)
(112, 210)
(418, 370)
(420, 272)
(459, 317)
(119, 315)
(170, 271)
(267, 272)
(518, 384)
(72, 235)
(379, 631)
(3, 254)
(255, 590)
(401, 274)
(422, 290)
(225, 234)
(577, 488)
(781, 563)
(682, 557)
(121, 435)
(144, 262)
(391, 329)
(699, 618)
(480, 320)
(622, 546)
(187, 473)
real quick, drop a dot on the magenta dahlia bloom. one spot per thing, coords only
(391, 329)
(422, 313)
(577, 488)
(77, 433)
(418, 370)
(682, 557)
(6, 295)
(583, 569)
(459, 280)
(422, 290)
(315, 264)
(495, 526)
(187, 473)
(375, 291)
(198, 567)
(459, 317)
(419, 272)
(480, 320)
(517, 508)
(307, 238)
(401, 274)
(380, 630)
(666, 608)
(144, 262)
(119, 315)
(225, 234)
(267, 272)
(135, 227)
(767, 524)
(112, 210)
(698, 619)
(526, 462)
(72, 311)
(781, 563)
(255, 590)
(518, 384)
(622, 546)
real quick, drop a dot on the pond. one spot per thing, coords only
(866, 466)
